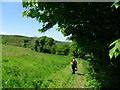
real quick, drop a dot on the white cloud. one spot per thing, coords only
(11, 0)
(18, 34)
(2, 32)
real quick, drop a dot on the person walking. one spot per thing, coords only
(74, 65)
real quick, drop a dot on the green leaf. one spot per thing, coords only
(113, 43)
(111, 52)
(116, 54)
(118, 45)
(116, 4)
(114, 51)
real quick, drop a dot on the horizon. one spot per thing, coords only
(32, 37)
(14, 24)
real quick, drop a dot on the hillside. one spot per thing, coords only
(24, 68)
(17, 40)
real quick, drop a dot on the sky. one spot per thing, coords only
(14, 24)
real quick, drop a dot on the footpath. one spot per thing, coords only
(64, 78)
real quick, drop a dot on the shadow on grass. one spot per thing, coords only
(79, 74)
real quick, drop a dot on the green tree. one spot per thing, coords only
(75, 50)
(53, 49)
(43, 44)
(93, 26)
(62, 49)
(66, 48)
(36, 45)
(59, 50)
(49, 42)
(24, 45)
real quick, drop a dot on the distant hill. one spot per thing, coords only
(17, 40)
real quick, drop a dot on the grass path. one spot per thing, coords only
(80, 81)
(64, 79)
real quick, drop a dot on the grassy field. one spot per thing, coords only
(24, 68)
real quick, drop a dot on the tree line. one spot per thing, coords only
(48, 45)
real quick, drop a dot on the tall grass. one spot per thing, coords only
(23, 68)
(88, 74)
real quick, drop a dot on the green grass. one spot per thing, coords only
(64, 79)
(25, 68)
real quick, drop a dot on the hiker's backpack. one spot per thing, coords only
(74, 63)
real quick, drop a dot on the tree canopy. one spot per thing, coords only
(92, 25)
(43, 44)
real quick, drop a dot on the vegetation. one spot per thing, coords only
(115, 51)
(17, 40)
(94, 30)
(24, 68)
(43, 44)
(93, 26)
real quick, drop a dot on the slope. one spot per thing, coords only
(23, 68)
